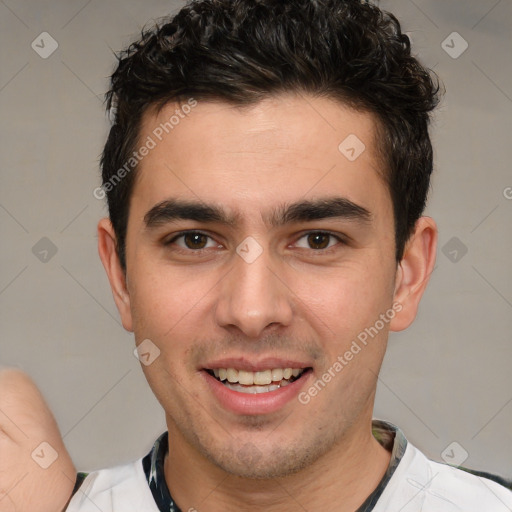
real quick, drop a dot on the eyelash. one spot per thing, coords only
(200, 251)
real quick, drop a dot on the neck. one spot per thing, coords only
(338, 481)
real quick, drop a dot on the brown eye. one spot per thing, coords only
(195, 240)
(192, 240)
(318, 240)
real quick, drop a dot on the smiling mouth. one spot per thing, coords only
(257, 382)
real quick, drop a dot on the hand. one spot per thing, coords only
(25, 423)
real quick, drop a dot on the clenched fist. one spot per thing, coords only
(36, 471)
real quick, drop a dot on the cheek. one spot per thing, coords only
(168, 309)
(344, 301)
(161, 301)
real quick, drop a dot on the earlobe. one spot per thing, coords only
(116, 275)
(414, 271)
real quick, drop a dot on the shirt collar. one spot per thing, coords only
(387, 434)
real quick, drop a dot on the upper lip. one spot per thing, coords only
(242, 363)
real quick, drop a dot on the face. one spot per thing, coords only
(256, 245)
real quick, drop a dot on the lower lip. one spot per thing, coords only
(258, 403)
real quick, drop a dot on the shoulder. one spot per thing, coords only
(119, 488)
(422, 484)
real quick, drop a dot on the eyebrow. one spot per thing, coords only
(302, 211)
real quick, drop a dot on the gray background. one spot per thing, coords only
(445, 379)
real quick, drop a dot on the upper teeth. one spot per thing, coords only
(259, 378)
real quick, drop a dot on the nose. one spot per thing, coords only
(253, 297)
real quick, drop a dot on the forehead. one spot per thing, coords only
(245, 158)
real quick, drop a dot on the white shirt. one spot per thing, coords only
(417, 484)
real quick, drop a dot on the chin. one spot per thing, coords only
(251, 462)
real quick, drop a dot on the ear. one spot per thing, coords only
(115, 273)
(414, 271)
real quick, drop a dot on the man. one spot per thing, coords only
(266, 173)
